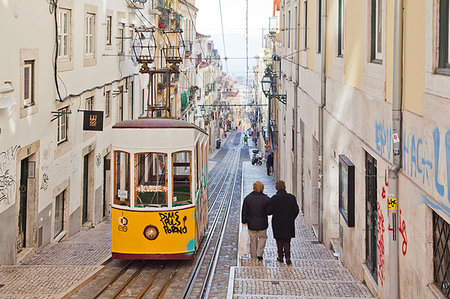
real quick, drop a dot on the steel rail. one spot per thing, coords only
(213, 263)
(114, 279)
(150, 282)
(202, 254)
(129, 281)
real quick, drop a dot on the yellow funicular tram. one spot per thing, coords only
(159, 205)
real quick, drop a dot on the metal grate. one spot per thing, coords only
(441, 254)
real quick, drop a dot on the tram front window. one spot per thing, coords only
(122, 178)
(151, 181)
(181, 178)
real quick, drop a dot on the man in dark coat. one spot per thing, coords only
(284, 208)
(269, 162)
(254, 214)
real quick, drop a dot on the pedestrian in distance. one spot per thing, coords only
(245, 139)
(255, 210)
(269, 163)
(284, 209)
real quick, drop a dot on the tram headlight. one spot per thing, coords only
(151, 232)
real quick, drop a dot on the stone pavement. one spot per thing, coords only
(314, 273)
(58, 269)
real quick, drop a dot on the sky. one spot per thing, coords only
(234, 14)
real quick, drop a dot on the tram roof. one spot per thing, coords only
(156, 123)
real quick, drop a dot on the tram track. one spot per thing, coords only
(200, 281)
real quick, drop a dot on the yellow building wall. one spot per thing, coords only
(312, 38)
(331, 33)
(414, 55)
(389, 51)
(354, 57)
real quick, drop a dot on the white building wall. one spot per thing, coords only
(29, 132)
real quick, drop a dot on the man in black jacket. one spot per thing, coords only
(254, 214)
(284, 208)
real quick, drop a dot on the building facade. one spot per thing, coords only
(55, 176)
(336, 62)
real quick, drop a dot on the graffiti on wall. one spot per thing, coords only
(426, 159)
(380, 231)
(7, 175)
(172, 223)
(402, 230)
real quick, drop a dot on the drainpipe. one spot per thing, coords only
(323, 97)
(397, 146)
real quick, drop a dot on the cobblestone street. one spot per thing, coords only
(314, 273)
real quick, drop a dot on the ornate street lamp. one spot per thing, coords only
(266, 84)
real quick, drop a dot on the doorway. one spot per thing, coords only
(84, 213)
(371, 215)
(23, 200)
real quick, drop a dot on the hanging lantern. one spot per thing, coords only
(144, 45)
(174, 48)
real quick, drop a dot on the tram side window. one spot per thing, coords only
(151, 180)
(122, 178)
(181, 178)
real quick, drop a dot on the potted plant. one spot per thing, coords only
(161, 21)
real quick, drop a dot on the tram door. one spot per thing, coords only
(23, 189)
(85, 188)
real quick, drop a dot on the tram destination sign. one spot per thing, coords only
(92, 120)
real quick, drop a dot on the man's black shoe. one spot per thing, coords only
(260, 258)
(288, 262)
(280, 260)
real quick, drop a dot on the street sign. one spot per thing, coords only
(92, 120)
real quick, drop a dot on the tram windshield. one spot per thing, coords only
(122, 178)
(181, 178)
(151, 180)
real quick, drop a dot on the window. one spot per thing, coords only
(131, 99)
(63, 34)
(62, 124)
(107, 103)
(121, 38)
(120, 114)
(122, 178)
(89, 38)
(305, 14)
(151, 180)
(319, 26)
(289, 30)
(341, 28)
(131, 30)
(59, 214)
(296, 31)
(444, 37)
(347, 190)
(89, 104)
(293, 131)
(377, 32)
(284, 30)
(441, 254)
(28, 83)
(109, 30)
(181, 178)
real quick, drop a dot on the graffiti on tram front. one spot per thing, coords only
(172, 223)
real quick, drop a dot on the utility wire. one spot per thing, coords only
(223, 35)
